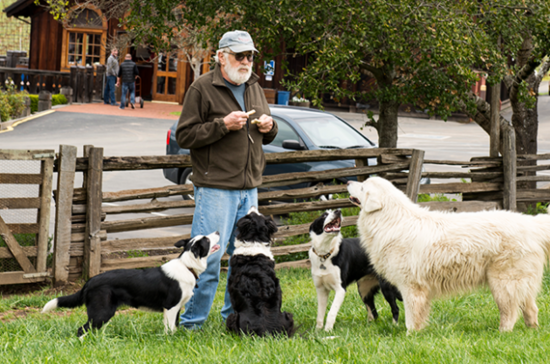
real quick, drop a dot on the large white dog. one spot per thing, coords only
(427, 254)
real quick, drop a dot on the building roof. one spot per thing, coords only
(23, 8)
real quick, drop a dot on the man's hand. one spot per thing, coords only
(236, 120)
(266, 123)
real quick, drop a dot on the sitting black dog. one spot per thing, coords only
(253, 287)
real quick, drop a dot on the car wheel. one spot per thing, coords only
(185, 180)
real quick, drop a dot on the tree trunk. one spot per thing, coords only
(524, 119)
(387, 124)
(526, 124)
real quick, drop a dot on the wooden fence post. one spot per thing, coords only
(86, 154)
(415, 174)
(92, 240)
(81, 88)
(509, 164)
(98, 84)
(46, 170)
(361, 163)
(73, 82)
(494, 146)
(64, 204)
(88, 97)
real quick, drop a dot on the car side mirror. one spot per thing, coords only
(293, 144)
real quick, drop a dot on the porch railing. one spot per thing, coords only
(86, 82)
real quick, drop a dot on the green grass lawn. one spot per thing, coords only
(462, 329)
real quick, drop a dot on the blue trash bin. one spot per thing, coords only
(283, 97)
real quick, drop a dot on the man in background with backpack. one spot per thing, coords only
(128, 73)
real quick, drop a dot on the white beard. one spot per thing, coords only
(235, 75)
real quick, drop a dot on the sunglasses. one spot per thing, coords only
(240, 56)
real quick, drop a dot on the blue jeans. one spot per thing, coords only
(215, 210)
(109, 92)
(125, 87)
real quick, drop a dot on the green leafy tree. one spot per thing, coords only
(425, 53)
(520, 37)
(418, 53)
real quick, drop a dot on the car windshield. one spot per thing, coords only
(330, 132)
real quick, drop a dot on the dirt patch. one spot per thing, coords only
(20, 289)
(12, 315)
(45, 288)
(22, 313)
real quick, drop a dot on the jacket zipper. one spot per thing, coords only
(248, 136)
(249, 139)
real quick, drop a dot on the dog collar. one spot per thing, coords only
(324, 257)
(255, 242)
(196, 277)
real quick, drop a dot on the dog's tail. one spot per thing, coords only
(71, 301)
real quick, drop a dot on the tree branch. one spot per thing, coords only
(482, 115)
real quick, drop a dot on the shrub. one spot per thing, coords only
(34, 103)
(435, 197)
(539, 208)
(12, 103)
(57, 99)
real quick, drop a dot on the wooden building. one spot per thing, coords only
(55, 47)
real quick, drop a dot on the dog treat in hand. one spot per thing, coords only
(251, 112)
(256, 121)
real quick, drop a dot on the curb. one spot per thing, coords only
(7, 126)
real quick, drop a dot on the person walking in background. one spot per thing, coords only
(128, 73)
(227, 157)
(111, 74)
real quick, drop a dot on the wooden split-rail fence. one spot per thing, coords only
(84, 244)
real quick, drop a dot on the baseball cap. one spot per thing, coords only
(238, 41)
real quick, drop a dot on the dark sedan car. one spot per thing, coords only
(299, 129)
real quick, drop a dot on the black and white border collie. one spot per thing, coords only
(254, 288)
(162, 289)
(336, 263)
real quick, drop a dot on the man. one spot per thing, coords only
(227, 156)
(128, 73)
(110, 78)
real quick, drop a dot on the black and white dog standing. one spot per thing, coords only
(163, 289)
(336, 263)
(254, 288)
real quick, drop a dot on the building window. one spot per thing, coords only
(84, 49)
(84, 40)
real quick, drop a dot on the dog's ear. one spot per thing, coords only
(182, 243)
(244, 223)
(271, 226)
(372, 203)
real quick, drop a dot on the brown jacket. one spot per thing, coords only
(222, 158)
